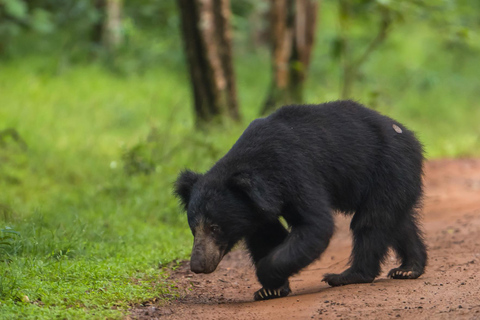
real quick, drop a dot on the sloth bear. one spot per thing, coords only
(303, 163)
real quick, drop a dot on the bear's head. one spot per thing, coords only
(221, 211)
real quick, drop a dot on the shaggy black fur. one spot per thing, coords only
(303, 163)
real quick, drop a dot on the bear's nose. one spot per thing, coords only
(197, 266)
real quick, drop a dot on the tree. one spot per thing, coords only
(292, 32)
(208, 47)
(349, 63)
(107, 31)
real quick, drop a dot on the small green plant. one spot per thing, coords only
(8, 236)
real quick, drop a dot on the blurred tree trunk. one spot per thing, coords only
(107, 31)
(97, 30)
(113, 25)
(259, 35)
(350, 65)
(348, 74)
(208, 47)
(292, 34)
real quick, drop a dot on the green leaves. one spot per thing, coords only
(15, 8)
(15, 16)
(41, 21)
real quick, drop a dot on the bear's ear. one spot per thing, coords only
(255, 189)
(183, 186)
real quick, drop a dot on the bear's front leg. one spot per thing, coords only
(260, 243)
(305, 243)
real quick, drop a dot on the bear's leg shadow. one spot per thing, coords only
(409, 245)
(260, 244)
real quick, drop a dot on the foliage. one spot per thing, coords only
(353, 46)
(15, 16)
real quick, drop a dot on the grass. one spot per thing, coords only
(92, 240)
(81, 238)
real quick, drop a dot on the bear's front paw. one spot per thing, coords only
(267, 294)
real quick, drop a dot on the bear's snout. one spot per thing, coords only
(197, 265)
(206, 254)
(202, 262)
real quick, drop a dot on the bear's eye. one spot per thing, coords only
(215, 229)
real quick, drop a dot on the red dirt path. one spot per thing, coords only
(450, 288)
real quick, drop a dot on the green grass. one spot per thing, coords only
(92, 240)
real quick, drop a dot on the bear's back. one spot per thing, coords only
(340, 144)
(325, 132)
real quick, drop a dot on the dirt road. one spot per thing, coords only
(450, 288)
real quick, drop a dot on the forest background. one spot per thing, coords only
(97, 117)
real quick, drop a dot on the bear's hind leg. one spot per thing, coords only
(409, 245)
(261, 243)
(369, 250)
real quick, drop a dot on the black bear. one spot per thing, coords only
(304, 162)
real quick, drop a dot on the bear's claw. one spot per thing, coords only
(399, 273)
(267, 294)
